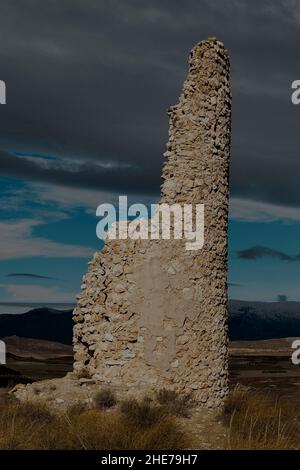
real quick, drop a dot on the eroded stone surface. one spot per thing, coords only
(152, 314)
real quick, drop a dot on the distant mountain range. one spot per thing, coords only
(247, 321)
(263, 320)
(40, 323)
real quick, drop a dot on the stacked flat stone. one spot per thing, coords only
(151, 314)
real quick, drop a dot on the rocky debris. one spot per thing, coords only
(203, 426)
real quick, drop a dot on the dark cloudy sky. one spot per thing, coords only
(88, 85)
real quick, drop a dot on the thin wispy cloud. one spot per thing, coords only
(35, 293)
(31, 275)
(258, 252)
(247, 210)
(18, 241)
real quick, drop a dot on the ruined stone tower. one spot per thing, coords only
(152, 314)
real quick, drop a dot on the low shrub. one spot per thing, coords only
(174, 403)
(30, 426)
(257, 420)
(104, 399)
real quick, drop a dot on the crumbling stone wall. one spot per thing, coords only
(152, 314)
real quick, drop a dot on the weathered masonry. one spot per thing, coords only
(152, 314)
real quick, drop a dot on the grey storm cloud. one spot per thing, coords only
(91, 80)
(257, 252)
(85, 174)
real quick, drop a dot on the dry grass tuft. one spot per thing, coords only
(104, 399)
(33, 426)
(254, 419)
(142, 413)
(257, 420)
(174, 403)
(77, 408)
(83, 373)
